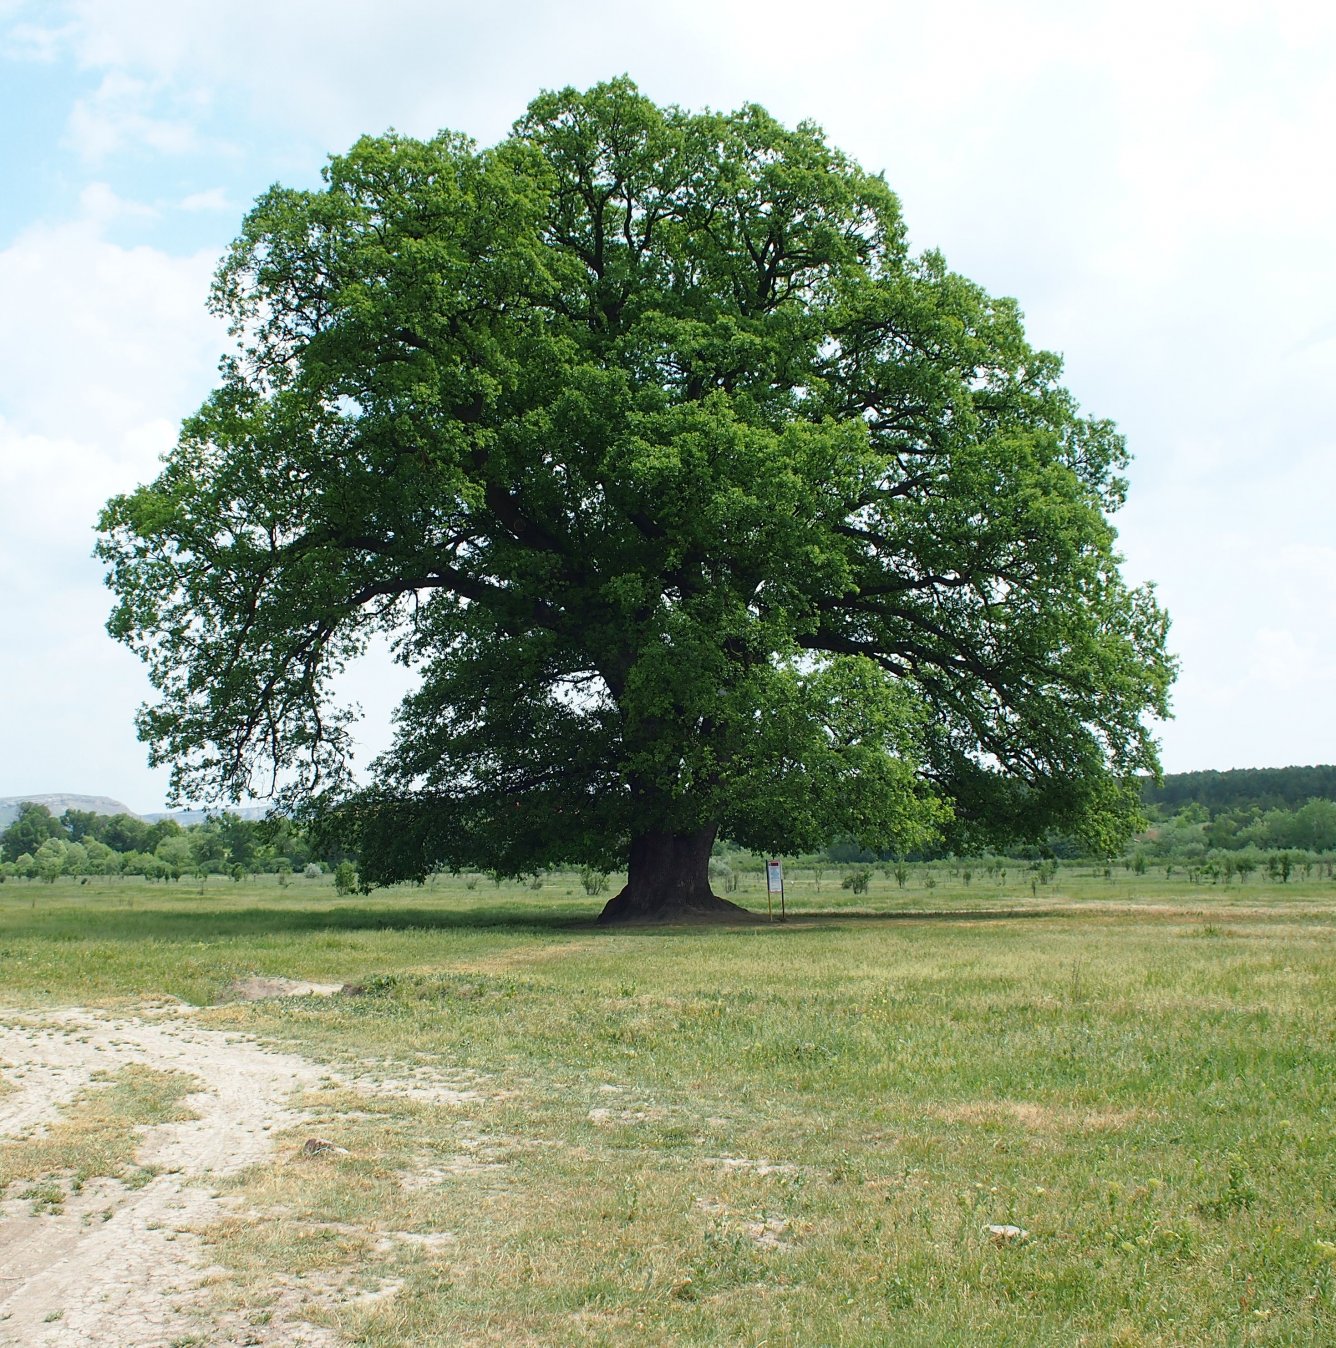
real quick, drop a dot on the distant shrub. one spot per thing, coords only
(593, 880)
(723, 872)
(345, 878)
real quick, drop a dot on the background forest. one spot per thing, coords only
(1213, 826)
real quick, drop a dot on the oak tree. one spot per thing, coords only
(695, 500)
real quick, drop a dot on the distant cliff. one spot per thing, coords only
(58, 804)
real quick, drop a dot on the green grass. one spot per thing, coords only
(789, 1134)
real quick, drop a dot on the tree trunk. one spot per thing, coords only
(668, 880)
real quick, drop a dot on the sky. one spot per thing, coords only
(1151, 181)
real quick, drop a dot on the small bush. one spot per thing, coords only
(345, 878)
(858, 881)
(721, 871)
(593, 880)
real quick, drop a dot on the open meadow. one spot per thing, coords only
(1095, 1111)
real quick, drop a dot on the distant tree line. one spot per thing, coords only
(1195, 816)
(1194, 830)
(1245, 789)
(80, 843)
(1262, 819)
(1191, 815)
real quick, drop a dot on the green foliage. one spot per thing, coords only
(345, 878)
(845, 849)
(95, 844)
(80, 824)
(697, 501)
(50, 859)
(34, 825)
(176, 854)
(124, 833)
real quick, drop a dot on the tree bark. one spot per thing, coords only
(668, 880)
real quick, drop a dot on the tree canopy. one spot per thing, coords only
(696, 501)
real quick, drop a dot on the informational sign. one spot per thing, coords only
(774, 884)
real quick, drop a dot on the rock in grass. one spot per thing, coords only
(1005, 1234)
(318, 1146)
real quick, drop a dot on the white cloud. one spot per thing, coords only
(33, 41)
(104, 348)
(70, 694)
(214, 199)
(50, 492)
(100, 205)
(118, 116)
(96, 338)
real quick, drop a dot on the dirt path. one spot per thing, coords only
(121, 1266)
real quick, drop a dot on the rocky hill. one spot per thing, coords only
(58, 804)
(186, 817)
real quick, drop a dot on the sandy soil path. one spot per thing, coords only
(121, 1266)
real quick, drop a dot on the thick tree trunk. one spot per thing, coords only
(668, 880)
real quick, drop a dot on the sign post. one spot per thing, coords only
(774, 884)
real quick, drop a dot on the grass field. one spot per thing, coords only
(769, 1134)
